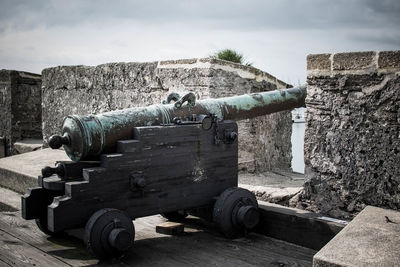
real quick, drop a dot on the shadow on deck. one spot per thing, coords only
(23, 244)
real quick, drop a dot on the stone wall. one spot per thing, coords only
(264, 142)
(352, 138)
(5, 108)
(20, 107)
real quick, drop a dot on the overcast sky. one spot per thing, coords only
(275, 35)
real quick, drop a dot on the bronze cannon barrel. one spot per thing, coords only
(86, 137)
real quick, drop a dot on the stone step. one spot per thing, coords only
(9, 200)
(20, 172)
(372, 238)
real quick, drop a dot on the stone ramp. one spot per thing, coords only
(20, 172)
(371, 239)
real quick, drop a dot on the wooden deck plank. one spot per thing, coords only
(14, 252)
(67, 249)
(200, 245)
(203, 245)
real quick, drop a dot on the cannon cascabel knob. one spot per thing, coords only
(56, 141)
(49, 171)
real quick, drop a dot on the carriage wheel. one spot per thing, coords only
(235, 212)
(109, 233)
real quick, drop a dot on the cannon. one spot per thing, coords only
(172, 159)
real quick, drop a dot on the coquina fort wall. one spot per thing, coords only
(264, 142)
(352, 137)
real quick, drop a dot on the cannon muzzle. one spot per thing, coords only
(86, 137)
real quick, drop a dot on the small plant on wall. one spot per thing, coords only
(230, 55)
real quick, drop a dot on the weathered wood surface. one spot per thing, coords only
(297, 226)
(60, 251)
(180, 165)
(22, 244)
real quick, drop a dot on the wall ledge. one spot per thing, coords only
(353, 63)
(246, 72)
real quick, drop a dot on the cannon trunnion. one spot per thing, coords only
(168, 169)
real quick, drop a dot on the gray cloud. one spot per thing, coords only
(389, 39)
(276, 35)
(244, 15)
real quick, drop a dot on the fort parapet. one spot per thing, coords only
(264, 142)
(352, 137)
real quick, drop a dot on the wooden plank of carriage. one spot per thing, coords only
(200, 244)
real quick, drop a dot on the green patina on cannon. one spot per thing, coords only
(89, 136)
(172, 159)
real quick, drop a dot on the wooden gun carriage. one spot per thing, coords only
(123, 169)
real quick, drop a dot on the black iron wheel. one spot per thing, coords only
(109, 233)
(235, 212)
(175, 216)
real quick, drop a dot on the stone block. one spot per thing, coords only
(371, 239)
(272, 194)
(354, 61)
(319, 62)
(27, 145)
(20, 172)
(389, 59)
